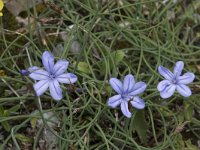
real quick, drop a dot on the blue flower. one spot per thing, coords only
(174, 81)
(127, 91)
(51, 76)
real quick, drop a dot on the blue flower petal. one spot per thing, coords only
(137, 102)
(116, 85)
(166, 73)
(55, 90)
(48, 61)
(33, 68)
(184, 90)
(60, 67)
(178, 68)
(39, 75)
(162, 85)
(138, 88)
(186, 78)
(168, 91)
(124, 109)
(40, 87)
(67, 78)
(114, 101)
(128, 83)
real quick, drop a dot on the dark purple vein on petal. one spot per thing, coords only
(57, 92)
(118, 87)
(43, 85)
(115, 100)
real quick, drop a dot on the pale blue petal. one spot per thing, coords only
(178, 68)
(39, 75)
(114, 101)
(124, 109)
(128, 83)
(60, 67)
(186, 78)
(162, 85)
(55, 90)
(137, 102)
(138, 88)
(67, 78)
(184, 90)
(116, 85)
(40, 87)
(33, 68)
(166, 73)
(168, 91)
(48, 61)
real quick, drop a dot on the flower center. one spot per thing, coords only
(51, 76)
(174, 81)
(126, 97)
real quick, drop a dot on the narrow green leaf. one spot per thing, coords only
(6, 125)
(190, 146)
(140, 125)
(113, 59)
(188, 111)
(14, 108)
(23, 138)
